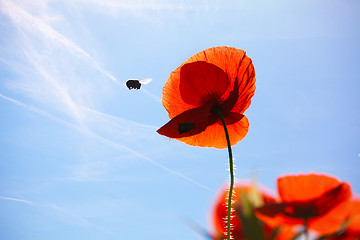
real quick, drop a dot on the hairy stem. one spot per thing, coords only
(232, 178)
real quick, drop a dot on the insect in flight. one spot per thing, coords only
(136, 83)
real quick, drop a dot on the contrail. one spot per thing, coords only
(116, 118)
(17, 200)
(33, 24)
(134, 5)
(101, 139)
(156, 98)
(60, 213)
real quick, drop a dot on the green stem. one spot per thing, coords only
(231, 163)
(306, 222)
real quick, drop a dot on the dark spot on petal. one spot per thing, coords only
(185, 127)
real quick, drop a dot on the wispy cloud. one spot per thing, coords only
(50, 64)
(35, 25)
(66, 215)
(52, 80)
(104, 141)
(41, 66)
(50, 77)
(17, 200)
(54, 211)
(116, 6)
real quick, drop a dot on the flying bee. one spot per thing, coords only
(136, 83)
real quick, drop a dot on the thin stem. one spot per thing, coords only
(306, 222)
(231, 163)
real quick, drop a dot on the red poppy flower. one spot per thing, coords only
(217, 79)
(219, 214)
(352, 228)
(319, 199)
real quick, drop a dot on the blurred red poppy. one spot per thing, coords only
(320, 201)
(352, 227)
(238, 218)
(217, 79)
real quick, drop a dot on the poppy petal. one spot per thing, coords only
(201, 82)
(227, 58)
(320, 205)
(238, 130)
(285, 233)
(243, 87)
(171, 97)
(279, 220)
(322, 199)
(232, 61)
(219, 212)
(271, 209)
(353, 228)
(246, 89)
(185, 89)
(214, 135)
(187, 124)
(230, 118)
(305, 187)
(332, 221)
(332, 198)
(237, 65)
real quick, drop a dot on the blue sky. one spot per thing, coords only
(80, 157)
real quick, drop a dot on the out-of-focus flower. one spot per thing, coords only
(217, 80)
(244, 224)
(352, 227)
(318, 201)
